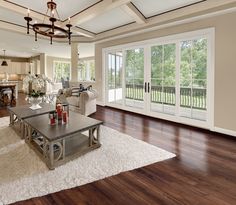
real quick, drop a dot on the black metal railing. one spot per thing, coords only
(189, 97)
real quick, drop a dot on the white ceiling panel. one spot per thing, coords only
(21, 45)
(66, 8)
(154, 7)
(11, 16)
(111, 19)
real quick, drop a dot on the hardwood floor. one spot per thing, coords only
(203, 173)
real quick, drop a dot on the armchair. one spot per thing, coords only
(83, 102)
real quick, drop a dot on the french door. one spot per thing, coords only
(167, 79)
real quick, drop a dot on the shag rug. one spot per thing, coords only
(23, 175)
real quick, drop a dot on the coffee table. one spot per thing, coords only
(19, 113)
(58, 144)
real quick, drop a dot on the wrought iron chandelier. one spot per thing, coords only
(49, 29)
(4, 62)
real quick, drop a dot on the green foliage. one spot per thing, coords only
(134, 66)
(193, 65)
(36, 94)
(61, 70)
(163, 65)
(87, 70)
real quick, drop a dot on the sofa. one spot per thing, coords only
(83, 102)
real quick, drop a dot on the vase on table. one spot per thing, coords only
(35, 101)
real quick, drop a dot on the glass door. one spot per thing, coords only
(193, 79)
(168, 79)
(163, 74)
(134, 78)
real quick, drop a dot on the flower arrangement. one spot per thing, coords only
(33, 85)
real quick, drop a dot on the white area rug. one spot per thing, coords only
(23, 175)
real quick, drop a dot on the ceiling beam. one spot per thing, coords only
(157, 22)
(83, 32)
(12, 27)
(132, 11)
(96, 10)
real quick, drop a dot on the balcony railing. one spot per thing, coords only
(189, 97)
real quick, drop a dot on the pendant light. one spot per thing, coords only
(4, 62)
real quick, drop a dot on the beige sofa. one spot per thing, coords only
(84, 103)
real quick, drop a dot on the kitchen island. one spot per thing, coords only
(6, 90)
(12, 83)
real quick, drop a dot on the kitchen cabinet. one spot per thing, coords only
(16, 68)
(25, 68)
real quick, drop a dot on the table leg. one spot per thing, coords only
(51, 156)
(11, 119)
(28, 133)
(94, 135)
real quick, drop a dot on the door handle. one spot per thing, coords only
(145, 87)
(148, 87)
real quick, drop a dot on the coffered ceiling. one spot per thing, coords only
(66, 8)
(95, 20)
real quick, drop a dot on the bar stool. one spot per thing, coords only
(6, 96)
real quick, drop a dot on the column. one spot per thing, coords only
(43, 64)
(74, 62)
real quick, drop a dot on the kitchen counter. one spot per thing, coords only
(12, 82)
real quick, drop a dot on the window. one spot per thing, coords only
(115, 62)
(61, 70)
(86, 70)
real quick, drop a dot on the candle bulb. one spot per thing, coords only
(69, 19)
(28, 12)
(52, 13)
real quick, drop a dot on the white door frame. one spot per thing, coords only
(208, 33)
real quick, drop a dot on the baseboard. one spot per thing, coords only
(100, 103)
(225, 131)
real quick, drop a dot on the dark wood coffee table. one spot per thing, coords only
(19, 113)
(57, 144)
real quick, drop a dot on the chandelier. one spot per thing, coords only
(49, 29)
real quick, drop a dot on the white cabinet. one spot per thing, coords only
(19, 68)
(16, 67)
(25, 68)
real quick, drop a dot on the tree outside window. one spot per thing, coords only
(86, 70)
(61, 70)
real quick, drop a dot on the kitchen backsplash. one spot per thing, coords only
(14, 77)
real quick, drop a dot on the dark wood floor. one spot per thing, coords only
(203, 173)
